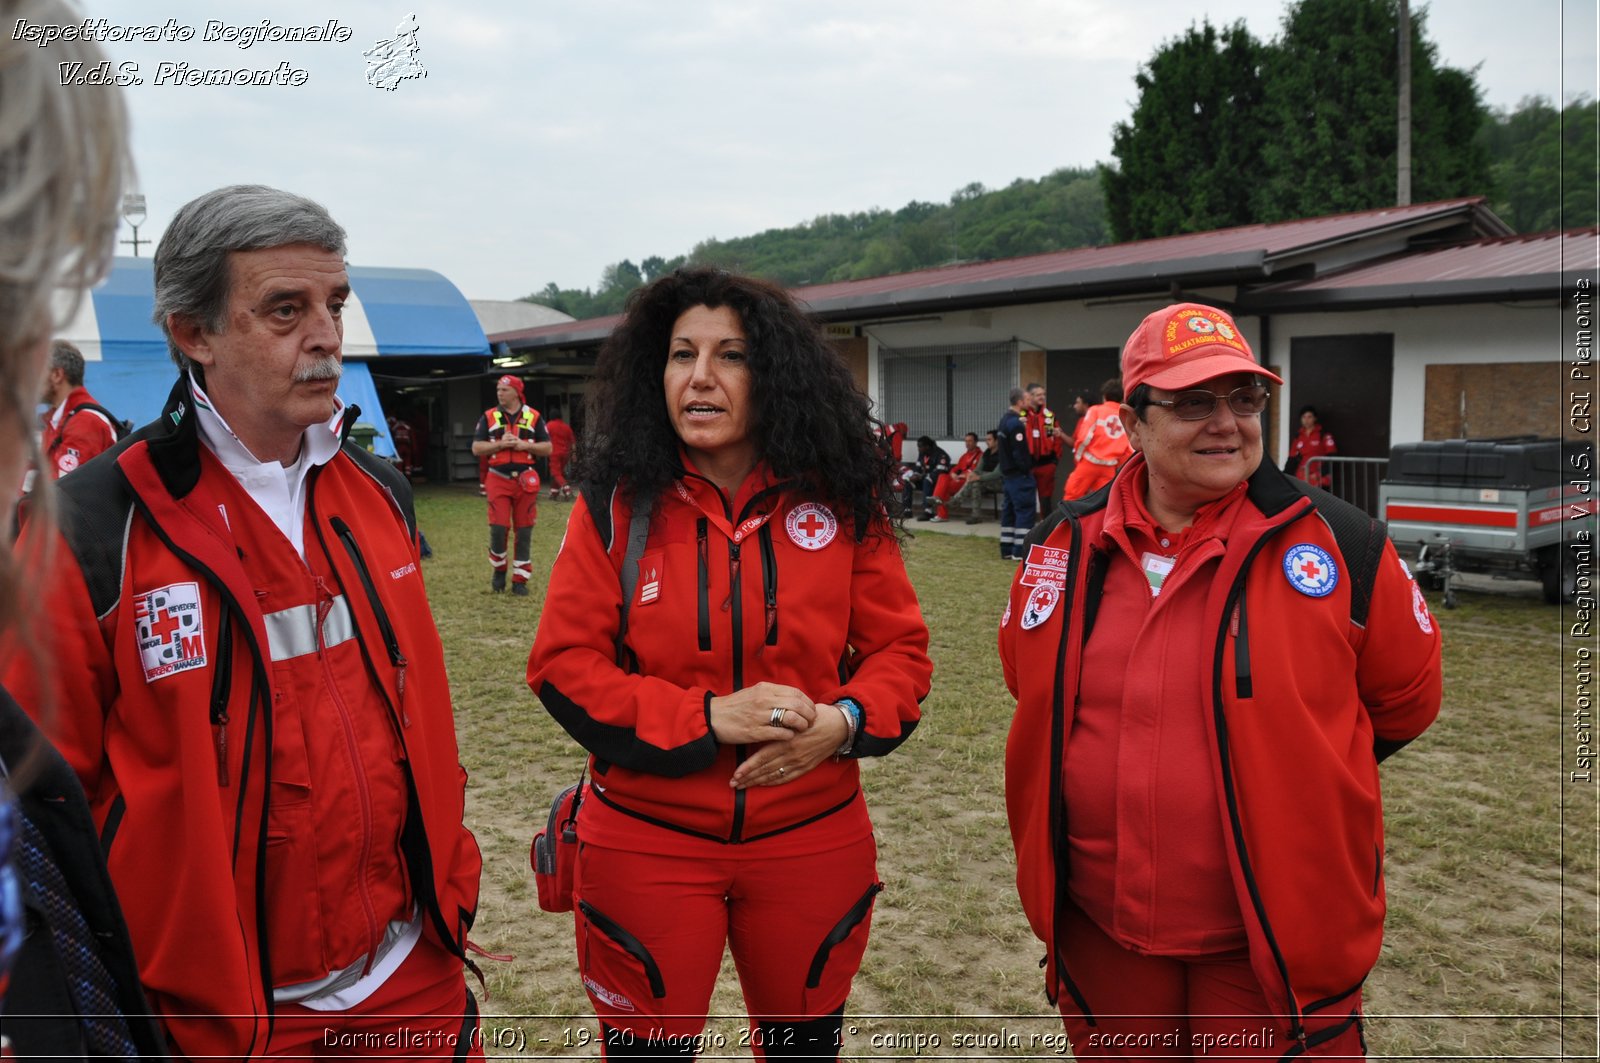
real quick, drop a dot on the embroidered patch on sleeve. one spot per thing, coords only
(170, 630)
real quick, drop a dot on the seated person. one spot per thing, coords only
(966, 468)
(932, 463)
(985, 484)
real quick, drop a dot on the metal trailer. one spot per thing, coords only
(1505, 507)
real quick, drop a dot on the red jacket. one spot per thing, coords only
(79, 436)
(1303, 686)
(1308, 444)
(166, 701)
(1103, 441)
(726, 598)
(1043, 442)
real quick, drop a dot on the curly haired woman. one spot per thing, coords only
(772, 640)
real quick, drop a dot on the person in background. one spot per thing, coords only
(247, 678)
(950, 483)
(1102, 445)
(985, 480)
(1044, 444)
(1209, 664)
(510, 436)
(561, 440)
(933, 462)
(1017, 508)
(77, 426)
(773, 641)
(69, 985)
(1312, 441)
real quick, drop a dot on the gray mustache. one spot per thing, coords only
(321, 369)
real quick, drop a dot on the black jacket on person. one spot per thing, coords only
(1015, 460)
(39, 1015)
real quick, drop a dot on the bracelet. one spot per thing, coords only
(851, 709)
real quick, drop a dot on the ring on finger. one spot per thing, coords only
(777, 717)
(782, 771)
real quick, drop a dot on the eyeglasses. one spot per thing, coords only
(1198, 405)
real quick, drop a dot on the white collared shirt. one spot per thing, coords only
(277, 488)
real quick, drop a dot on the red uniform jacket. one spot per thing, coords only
(166, 702)
(79, 436)
(779, 591)
(1302, 688)
(1308, 444)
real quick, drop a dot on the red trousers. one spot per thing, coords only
(1044, 477)
(651, 929)
(1174, 1008)
(509, 503)
(423, 1011)
(1086, 478)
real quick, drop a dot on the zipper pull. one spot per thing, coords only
(324, 607)
(1233, 622)
(733, 576)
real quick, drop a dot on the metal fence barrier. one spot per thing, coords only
(1355, 480)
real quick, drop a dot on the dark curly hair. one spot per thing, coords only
(812, 424)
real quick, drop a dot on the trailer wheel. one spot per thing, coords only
(1559, 581)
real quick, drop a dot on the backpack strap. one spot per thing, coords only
(1360, 538)
(599, 499)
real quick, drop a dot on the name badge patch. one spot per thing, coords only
(169, 630)
(1045, 564)
(1310, 570)
(1156, 569)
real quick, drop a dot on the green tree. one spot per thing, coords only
(1544, 164)
(1329, 112)
(1187, 159)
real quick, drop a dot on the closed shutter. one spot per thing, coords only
(949, 390)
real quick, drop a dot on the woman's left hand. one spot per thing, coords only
(776, 763)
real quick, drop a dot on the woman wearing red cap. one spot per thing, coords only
(1208, 666)
(772, 641)
(510, 436)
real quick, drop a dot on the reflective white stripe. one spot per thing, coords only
(293, 632)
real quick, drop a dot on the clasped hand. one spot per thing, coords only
(804, 735)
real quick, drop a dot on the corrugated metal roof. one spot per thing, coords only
(1241, 255)
(1510, 266)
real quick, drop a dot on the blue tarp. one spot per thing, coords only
(394, 312)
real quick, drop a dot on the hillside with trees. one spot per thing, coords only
(1227, 130)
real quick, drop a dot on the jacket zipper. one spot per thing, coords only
(769, 582)
(390, 643)
(325, 597)
(630, 944)
(1234, 602)
(221, 683)
(737, 620)
(703, 547)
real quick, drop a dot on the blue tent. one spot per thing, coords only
(392, 312)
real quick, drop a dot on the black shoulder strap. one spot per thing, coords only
(119, 427)
(638, 531)
(389, 478)
(1360, 538)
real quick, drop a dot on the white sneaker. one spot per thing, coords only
(936, 519)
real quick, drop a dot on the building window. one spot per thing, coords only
(950, 390)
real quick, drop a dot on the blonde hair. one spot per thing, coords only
(63, 160)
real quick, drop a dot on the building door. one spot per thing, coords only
(1083, 370)
(1350, 380)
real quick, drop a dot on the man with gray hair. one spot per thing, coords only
(77, 427)
(248, 680)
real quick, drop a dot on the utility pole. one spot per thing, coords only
(1403, 147)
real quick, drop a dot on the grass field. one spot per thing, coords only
(1491, 865)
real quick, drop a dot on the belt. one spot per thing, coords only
(510, 472)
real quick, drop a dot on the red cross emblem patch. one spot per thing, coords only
(811, 526)
(169, 630)
(1311, 570)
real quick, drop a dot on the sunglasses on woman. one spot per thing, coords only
(1200, 404)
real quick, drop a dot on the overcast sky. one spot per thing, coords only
(548, 140)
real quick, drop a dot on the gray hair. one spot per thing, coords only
(191, 265)
(67, 358)
(1016, 395)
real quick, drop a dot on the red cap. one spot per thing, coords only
(514, 383)
(1186, 344)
